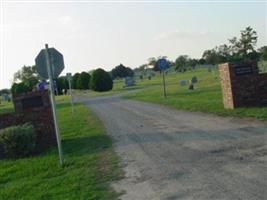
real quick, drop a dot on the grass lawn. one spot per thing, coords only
(6, 107)
(90, 163)
(207, 96)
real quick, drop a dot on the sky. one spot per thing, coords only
(104, 34)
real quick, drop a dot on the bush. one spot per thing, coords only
(18, 141)
(83, 81)
(101, 81)
(18, 88)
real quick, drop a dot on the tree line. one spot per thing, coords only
(27, 79)
(237, 49)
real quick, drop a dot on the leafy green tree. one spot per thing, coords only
(101, 81)
(155, 62)
(83, 81)
(61, 83)
(239, 49)
(28, 75)
(248, 41)
(201, 61)
(181, 63)
(243, 48)
(18, 88)
(4, 91)
(263, 52)
(75, 80)
(192, 63)
(121, 71)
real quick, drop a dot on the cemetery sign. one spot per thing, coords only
(242, 85)
(243, 70)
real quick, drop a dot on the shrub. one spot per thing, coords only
(101, 81)
(18, 88)
(18, 141)
(83, 81)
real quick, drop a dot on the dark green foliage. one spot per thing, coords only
(62, 84)
(121, 71)
(75, 80)
(101, 81)
(83, 81)
(18, 88)
(28, 75)
(18, 141)
(181, 63)
(263, 52)
(202, 61)
(155, 63)
(4, 91)
(238, 49)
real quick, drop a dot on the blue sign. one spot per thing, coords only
(42, 85)
(163, 64)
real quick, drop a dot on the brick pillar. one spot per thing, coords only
(225, 78)
(239, 83)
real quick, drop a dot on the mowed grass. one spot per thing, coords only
(6, 107)
(206, 97)
(90, 163)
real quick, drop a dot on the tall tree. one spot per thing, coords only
(83, 81)
(248, 41)
(75, 80)
(181, 62)
(155, 62)
(263, 52)
(101, 81)
(28, 75)
(121, 71)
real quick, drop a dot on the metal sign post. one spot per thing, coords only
(52, 96)
(163, 65)
(164, 86)
(71, 97)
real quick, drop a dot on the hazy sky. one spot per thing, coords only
(92, 35)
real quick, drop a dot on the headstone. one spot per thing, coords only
(194, 79)
(128, 81)
(191, 85)
(182, 82)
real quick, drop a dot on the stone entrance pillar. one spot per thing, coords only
(239, 83)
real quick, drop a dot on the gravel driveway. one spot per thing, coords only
(171, 154)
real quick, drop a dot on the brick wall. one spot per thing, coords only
(242, 85)
(40, 115)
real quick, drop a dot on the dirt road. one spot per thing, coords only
(170, 154)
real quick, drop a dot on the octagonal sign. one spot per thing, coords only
(56, 60)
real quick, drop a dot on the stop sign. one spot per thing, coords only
(57, 63)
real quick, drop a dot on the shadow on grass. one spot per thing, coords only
(86, 145)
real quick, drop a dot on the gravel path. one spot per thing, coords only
(171, 154)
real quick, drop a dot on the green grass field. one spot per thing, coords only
(90, 163)
(207, 96)
(6, 107)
